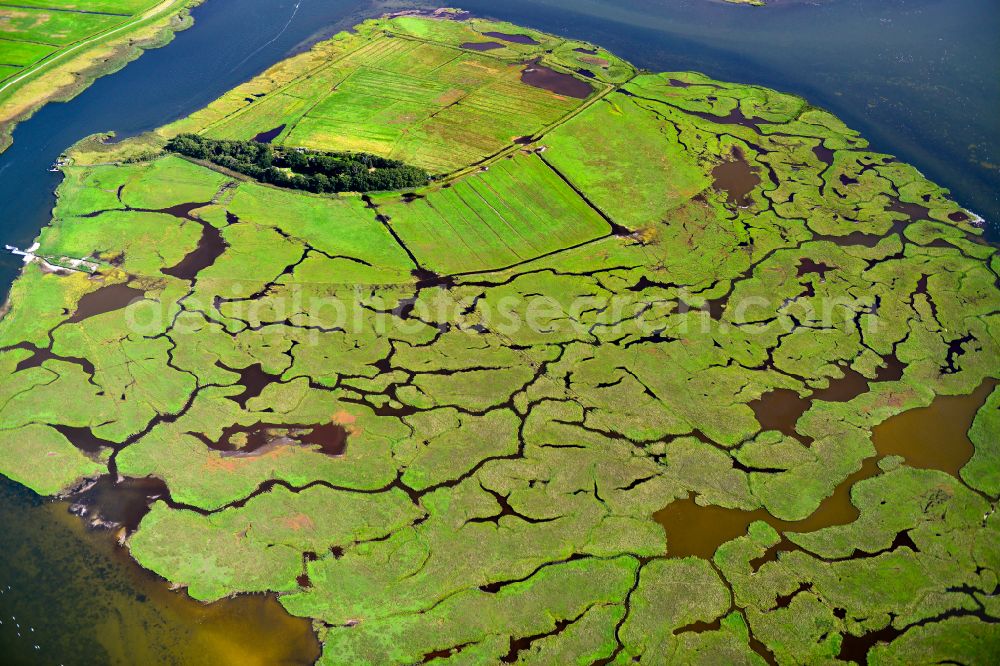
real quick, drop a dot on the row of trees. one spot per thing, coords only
(300, 169)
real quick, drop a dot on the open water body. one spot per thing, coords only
(917, 77)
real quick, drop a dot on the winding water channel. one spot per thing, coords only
(917, 77)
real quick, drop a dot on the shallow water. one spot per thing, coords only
(512, 38)
(482, 46)
(105, 299)
(77, 596)
(546, 78)
(736, 178)
(934, 437)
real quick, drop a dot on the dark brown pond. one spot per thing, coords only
(260, 438)
(736, 178)
(823, 154)
(482, 46)
(781, 409)
(211, 245)
(514, 39)
(934, 437)
(856, 648)
(808, 266)
(270, 135)
(567, 85)
(254, 380)
(734, 117)
(106, 299)
(911, 210)
(118, 504)
(856, 238)
(84, 439)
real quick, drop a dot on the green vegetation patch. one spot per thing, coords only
(19, 54)
(517, 210)
(100, 6)
(56, 28)
(406, 89)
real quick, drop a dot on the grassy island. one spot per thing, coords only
(656, 368)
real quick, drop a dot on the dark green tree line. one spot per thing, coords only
(300, 169)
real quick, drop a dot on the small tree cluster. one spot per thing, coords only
(300, 169)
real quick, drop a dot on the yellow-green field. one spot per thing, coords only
(31, 31)
(516, 211)
(54, 48)
(402, 91)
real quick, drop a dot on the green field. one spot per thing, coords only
(30, 31)
(517, 211)
(688, 375)
(53, 49)
(404, 93)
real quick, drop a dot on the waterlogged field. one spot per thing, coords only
(669, 370)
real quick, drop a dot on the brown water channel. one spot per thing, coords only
(932, 437)
(210, 247)
(259, 438)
